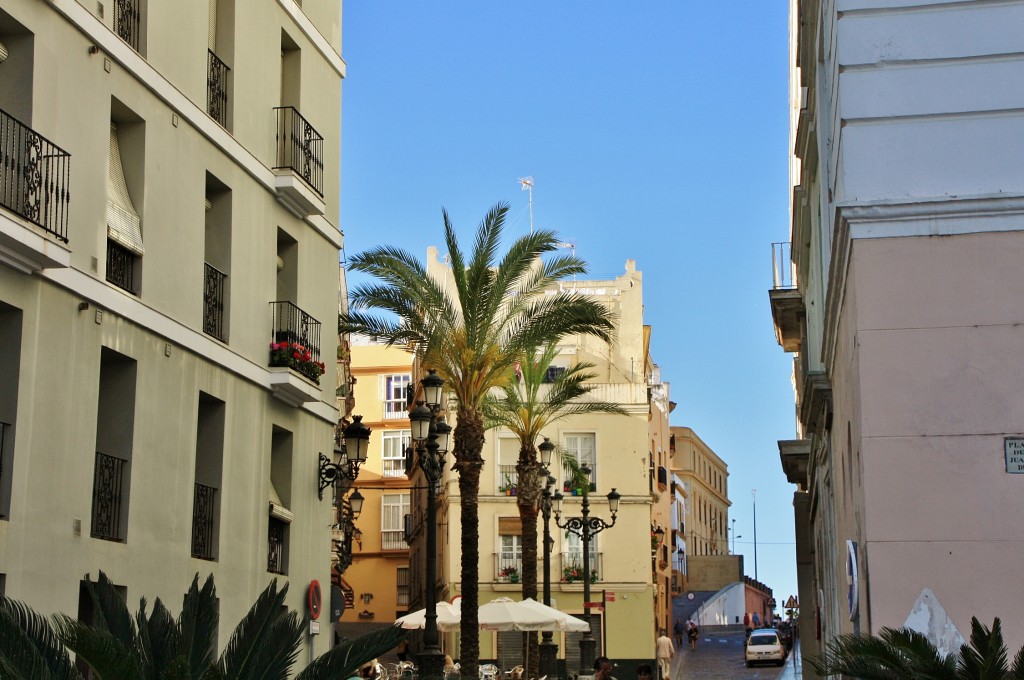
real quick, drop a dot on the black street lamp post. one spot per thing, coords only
(585, 527)
(431, 436)
(342, 476)
(548, 648)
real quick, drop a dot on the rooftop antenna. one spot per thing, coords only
(526, 184)
(571, 246)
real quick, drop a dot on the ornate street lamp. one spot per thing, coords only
(585, 527)
(352, 454)
(548, 648)
(430, 435)
(348, 512)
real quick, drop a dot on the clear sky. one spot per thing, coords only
(655, 130)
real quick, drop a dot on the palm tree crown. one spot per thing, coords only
(472, 334)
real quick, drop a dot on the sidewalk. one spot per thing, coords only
(719, 656)
(793, 668)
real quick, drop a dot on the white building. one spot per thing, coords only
(168, 209)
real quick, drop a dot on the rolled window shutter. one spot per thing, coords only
(123, 223)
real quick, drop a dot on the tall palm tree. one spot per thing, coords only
(263, 646)
(526, 407)
(897, 654)
(472, 335)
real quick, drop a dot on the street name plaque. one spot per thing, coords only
(1013, 447)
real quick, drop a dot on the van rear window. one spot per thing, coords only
(764, 640)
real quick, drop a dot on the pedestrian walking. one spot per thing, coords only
(746, 623)
(692, 633)
(756, 620)
(665, 650)
(678, 630)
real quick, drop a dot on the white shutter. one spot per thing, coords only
(123, 224)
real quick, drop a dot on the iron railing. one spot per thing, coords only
(508, 567)
(275, 546)
(402, 579)
(300, 148)
(34, 176)
(107, 486)
(572, 567)
(127, 20)
(121, 266)
(204, 513)
(782, 266)
(213, 301)
(508, 479)
(217, 89)
(294, 326)
(4, 428)
(393, 540)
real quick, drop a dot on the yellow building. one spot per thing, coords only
(378, 579)
(625, 452)
(705, 480)
(169, 204)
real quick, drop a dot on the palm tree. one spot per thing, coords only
(117, 646)
(526, 408)
(472, 335)
(895, 654)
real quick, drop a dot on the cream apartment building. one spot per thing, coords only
(900, 302)
(625, 452)
(168, 210)
(704, 477)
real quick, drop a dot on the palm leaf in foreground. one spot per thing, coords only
(29, 647)
(894, 654)
(344, 660)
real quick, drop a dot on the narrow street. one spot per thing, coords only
(719, 656)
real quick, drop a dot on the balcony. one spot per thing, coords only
(217, 89)
(508, 567)
(214, 286)
(203, 515)
(294, 355)
(572, 567)
(662, 477)
(276, 535)
(786, 301)
(509, 480)
(393, 540)
(298, 165)
(107, 487)
(127, 19)
(34, 181)
(795, 454)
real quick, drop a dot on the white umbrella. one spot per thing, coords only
(528, 614)
(562, 621)
(448, 618)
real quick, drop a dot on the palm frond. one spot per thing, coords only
(107, 656)
(259, 638)
(110, 610)
(573, 470)
(197, 626)
(159, 641)
(344, 660)
(894, 654)
(985, 656)
(29, 646)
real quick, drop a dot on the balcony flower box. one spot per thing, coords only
(509, 575)
(298, 358)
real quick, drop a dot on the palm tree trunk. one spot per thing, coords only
(528, 502)
(469, 443)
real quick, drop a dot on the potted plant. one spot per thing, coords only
(509, 574)
(297, 357)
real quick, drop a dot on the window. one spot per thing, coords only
(551, 375)
(209, 459)
(510, 557)
(402, 594)
(394, 508)
(508, 455)
(125, 167)
(129, 20)
(395, 401)
(217, 256)
(583, 447)
(10, 340)
(115, 429)
(220, 42)
(280, 500)
(394, 443)
(573, 556)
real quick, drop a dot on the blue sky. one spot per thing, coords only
(655, 130)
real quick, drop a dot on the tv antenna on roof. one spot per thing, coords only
(526, 184)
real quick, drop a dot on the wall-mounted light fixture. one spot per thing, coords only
(352, 454)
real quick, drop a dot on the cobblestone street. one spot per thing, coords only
(719, 656)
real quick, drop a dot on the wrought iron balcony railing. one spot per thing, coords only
(393, 540)
(107, 486)
(300, 148)
(572, 567)
(508, 567)
(293, 326)
(34, 176)
(203, 516)
(782, 266)
(4, 429)
(213, 301)
(121, 266)
(275, 546)
(508, 480)
(217, 89)
(127, 21)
